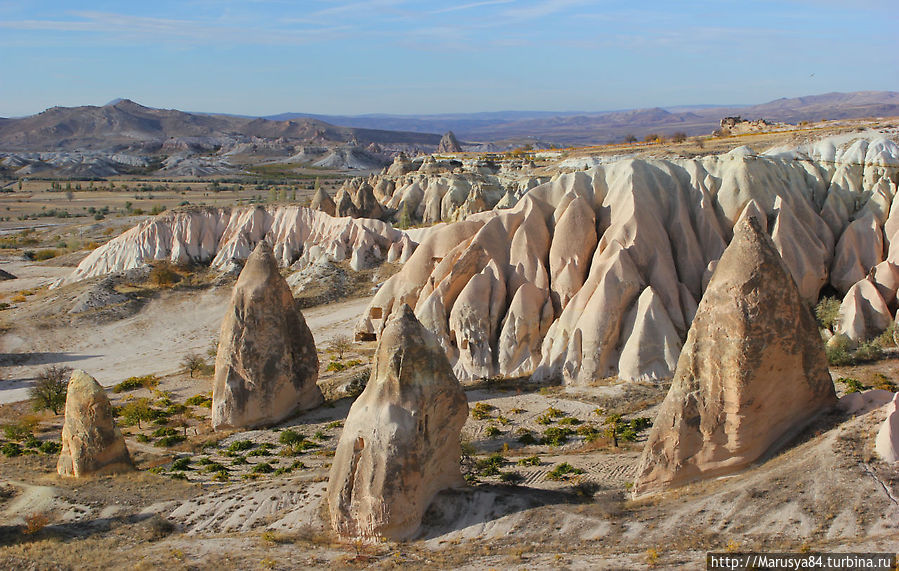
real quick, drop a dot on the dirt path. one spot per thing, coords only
(153, 341)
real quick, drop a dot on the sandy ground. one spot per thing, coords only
(155, 340)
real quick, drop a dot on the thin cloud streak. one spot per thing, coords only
(123, 28)
(472, 5)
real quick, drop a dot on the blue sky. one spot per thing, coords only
(263, 57)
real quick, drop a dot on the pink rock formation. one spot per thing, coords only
(91, 442)
(266, 368)
(751, 375)
(400, 443)
(887, 442)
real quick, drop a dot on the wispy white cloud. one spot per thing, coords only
(471, 5)
(124, 28)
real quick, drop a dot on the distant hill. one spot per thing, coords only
(609, 126)
(123, 124)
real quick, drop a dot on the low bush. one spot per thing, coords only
(563, 471)
(50, 447)
(182, 463)
(526, 437)
(240, 446)
(529, 461)
(263, 468)
(199, 400)
(492, 431)
(171, 440)
(490, 466)
(481, 411)
(11, 449)
(555, 436)
(134, 383)
(290, 437)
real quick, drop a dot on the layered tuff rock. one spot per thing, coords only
(266, 367)
(751, 375)
(91, 442)
(449, 144)
(299, 235)
(887, 443)
(591, 242)
(400, 442)
(322, 201)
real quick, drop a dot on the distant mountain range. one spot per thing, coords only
(123, 125)
(610, 126)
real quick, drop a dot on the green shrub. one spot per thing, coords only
(214, 467)
(492, 431)
(164, 432)
(555, 436)
(240, 446)
(18, 431)
(42, 255)
(888, 338)
(827, 312)
(336, 366)
(239, 460)
(10, 449)
(529, 461)
(50, 447)
(589, 432)
(260, 452)
(490, 466)
(882, 382)
(263, 468)
(563, 471)
(142, 438)
(199, 400)
(290, 437)
(335, 424)
(182, 463)
(569, 421)
(503, 420)
(868, 351)
(481, 411)
(526, 437)
(49, 391)
(838, 356)
(319, 435)
(852, 385)
(510, 477)
(171, 440)
(134, 383)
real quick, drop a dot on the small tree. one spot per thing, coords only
(678, 137)
(613, 424)
(340, 345)
(50, 389)
(136, 411)
(193, 362)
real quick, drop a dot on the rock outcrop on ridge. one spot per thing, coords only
(400, 442)
(91, 442)
(266, 367)
(752, 373)
(216, 236)
(887, 443)
(590, 243)
(449, 143)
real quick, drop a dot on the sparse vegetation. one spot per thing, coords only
(481, 411)
(340, 345)
(49, 391)
(135, 383)
(827, 312)
(563, 471)
(193, 362)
